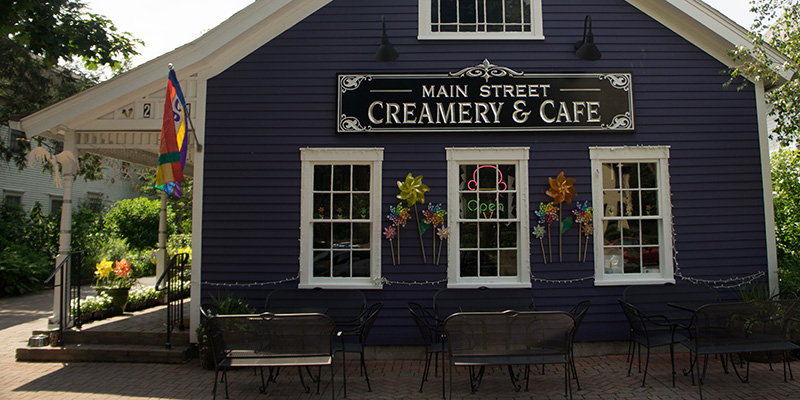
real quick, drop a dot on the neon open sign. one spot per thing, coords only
(500, 186)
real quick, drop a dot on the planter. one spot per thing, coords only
(119, 297)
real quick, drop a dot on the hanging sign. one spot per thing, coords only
(485, 97)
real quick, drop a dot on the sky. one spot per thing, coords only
(165, 25)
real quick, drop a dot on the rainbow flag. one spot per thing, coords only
(174, 139)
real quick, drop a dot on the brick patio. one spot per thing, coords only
(601, 377)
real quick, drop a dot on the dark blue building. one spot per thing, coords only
(306, 138)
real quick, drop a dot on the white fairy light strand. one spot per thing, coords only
(729, 283)
(250, 284)
(383, 280)
(561, 281)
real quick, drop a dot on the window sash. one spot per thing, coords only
(340, 244)
(640, 248)
(480, 19)
(483, 251)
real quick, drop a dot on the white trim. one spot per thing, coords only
(424, 27)
(308, 158)
(660, 155)
(518, 156)
(199, 120)
(766, 185)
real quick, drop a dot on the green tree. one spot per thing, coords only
(137, 221)
(786, 194)
(181, 206)
(775, 27)
(50, 50)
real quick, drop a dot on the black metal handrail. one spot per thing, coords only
(172, 279)
(69, 290)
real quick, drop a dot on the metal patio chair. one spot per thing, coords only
(433, 336)
(352, 341)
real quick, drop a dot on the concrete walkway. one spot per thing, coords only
(601, 377)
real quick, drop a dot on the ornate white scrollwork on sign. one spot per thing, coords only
(486, 70)
(352, 82)
(622, 121)
(622, 82)
(350, 124)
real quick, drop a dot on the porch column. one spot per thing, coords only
(68, 172)
(161, 253)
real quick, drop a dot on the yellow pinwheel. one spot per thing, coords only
(412, 190)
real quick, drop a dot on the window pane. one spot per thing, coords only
(630, 231)
(648, 175)
(508, 263)
(611, 199)
(630, 203)
(650, 202)
(469, 206)
(322, 263)
(322, 205)
(467, 12)
(361, 178)
(513, 11)
(465, 173)
(322, 235)
(487, 206)
(494, 11)
(341, 178)
(469, 263)
(361, 205)
(488, 235)
(361, 235)
(360, 264)
(488, 263)
(650, 259)
(650, 232)
(487, 178)
(632, 257)
(469, 235)
(613, 260)
(341, 264)
(509, 177)
(341, 206)
(341, 235)
(611, 233)
(448, 11)
(508, 235)
(630, 176)
(322, 177)
(507, 206)
(610, 176)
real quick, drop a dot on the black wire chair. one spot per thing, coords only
(352, 341)
(433, 336)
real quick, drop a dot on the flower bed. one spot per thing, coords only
(99, 307)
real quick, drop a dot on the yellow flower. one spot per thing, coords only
(104, 268)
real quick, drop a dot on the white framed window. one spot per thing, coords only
(480, 19)
(487, 193)
(633, 215)
(340, 216)
(94, 200)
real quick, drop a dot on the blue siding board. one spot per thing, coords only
(281, 98)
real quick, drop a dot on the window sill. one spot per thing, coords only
(634, 281)
(495, 285)
(341, 285)
(479, 36)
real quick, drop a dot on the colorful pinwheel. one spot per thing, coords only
(412, 190)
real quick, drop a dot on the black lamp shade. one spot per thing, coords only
(385, 52)
(586, 49)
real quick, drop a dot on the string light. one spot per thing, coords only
(387, 282)
(562, 281)
(251, 284)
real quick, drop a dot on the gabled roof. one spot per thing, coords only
(262, 21)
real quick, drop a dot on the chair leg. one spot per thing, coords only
(574, 369)
(646, 364)
(630, 359)
(425, 371)
(214, 391)
(364, 368)
(672, 362)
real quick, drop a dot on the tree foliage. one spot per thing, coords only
(786, 194)
(50, 50)
(775, 27)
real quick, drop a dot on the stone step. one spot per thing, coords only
(177, 338)
(107, 353)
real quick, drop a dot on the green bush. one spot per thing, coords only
(22, 270)
(137, 221)
(786, 195)
(143, 262)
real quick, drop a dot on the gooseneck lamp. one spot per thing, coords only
(386, 52)
(585, 49)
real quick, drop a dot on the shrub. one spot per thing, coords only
(22, 270)
(137, 221)
(144, 262)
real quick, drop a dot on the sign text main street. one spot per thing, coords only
(483, 98)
